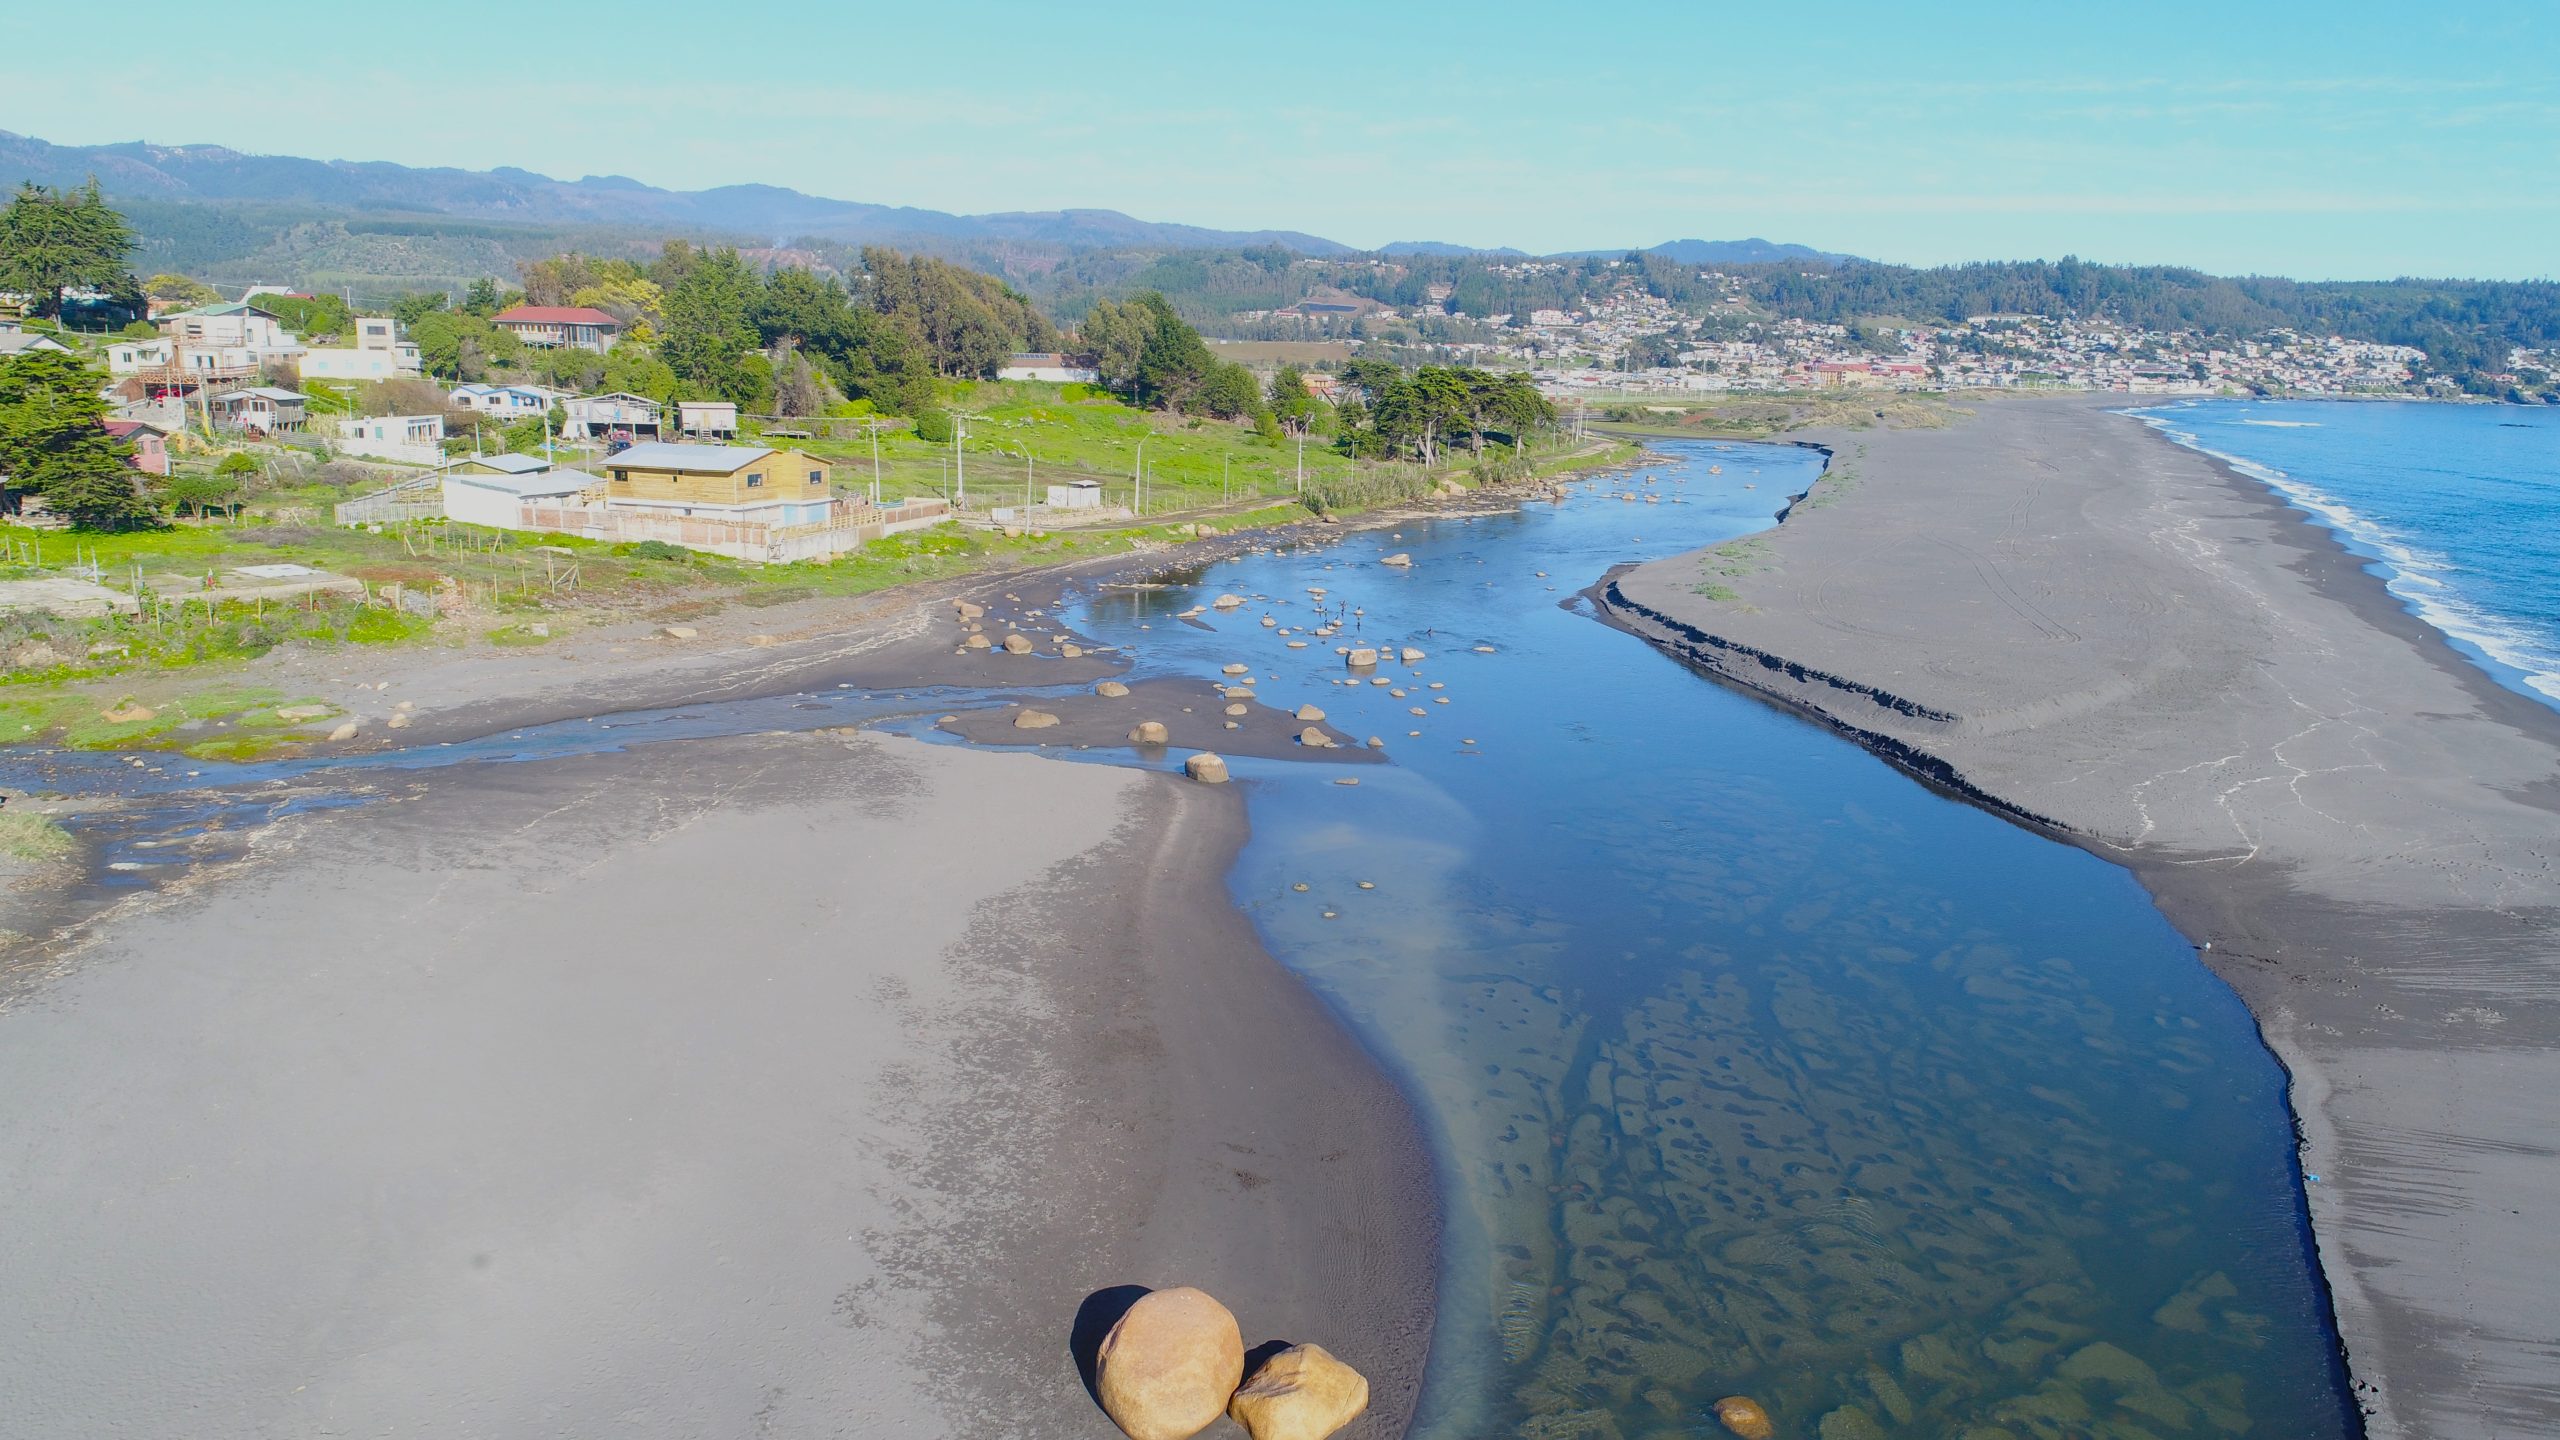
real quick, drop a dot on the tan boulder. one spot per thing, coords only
(1167, 1370)
(1400, 560)
(967, 610)
(344, 732)
(1412, 656)
(1239, 709)
(678, 632)
(1309, 712)
(979, 642)
(1149, 732)
(1226, 602)
(1111, 690)
(1302, 1393)
(1237, 692)
(1744, 1417)
(1017, 644)
(398, 721)
(1315, 739)
(1239, 669)
(1362, 657)
(1033, 720)
(1206, 768)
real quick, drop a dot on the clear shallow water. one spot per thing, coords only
(1754, 1067)
(1751, 1065)
(2458, 506)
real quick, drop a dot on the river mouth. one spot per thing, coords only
(1754, 1067)
(1751, 1066)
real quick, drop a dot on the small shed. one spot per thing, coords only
(1076, 495)
(702, 419)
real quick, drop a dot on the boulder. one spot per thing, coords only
(1361, 657)
(967, 610)
(1400, 560)
(344, 732)
(1111, 690)
(1033, 719)
(1070, 651)
(979, 642)
(1149, 732)
(1017, 644)
(1239, 709)
(1412, 656)
(1239, 669)
(1302, 1393)
(678, 632)
(1226, 602)
(1744, 1417)
(1237, 692)
(1206, 768)
(1315, 739)
(398, 721)
(1309, 712)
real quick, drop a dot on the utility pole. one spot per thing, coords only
(1138, 475)
(873, 427)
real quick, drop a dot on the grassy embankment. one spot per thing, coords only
(508, 588)
(1758, 417)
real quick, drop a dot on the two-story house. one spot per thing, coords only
(554, 327)
(377, 354)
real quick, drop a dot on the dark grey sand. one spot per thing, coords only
(2062, 614)
(788, 1085)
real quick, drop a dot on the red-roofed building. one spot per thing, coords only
(150, 444)
(556, 326)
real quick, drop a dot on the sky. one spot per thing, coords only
(2339, 140)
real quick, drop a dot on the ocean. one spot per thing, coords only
(2456, 506)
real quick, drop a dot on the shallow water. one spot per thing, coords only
(1754, 1067)
(1751, 1065)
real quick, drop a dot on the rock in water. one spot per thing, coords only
(1017, 645)
(1226, 602)
(1111, 690)
(1033, 720)
(1362, 658)
(1412, 656)
(1167, 1369)
(1302, 1393)
(1310, 713)
(1315, 739)
(1400, 560)
(1744, 1417)
(1149, 732)
(1206, 768)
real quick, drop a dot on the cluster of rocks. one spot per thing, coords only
(1175, 1363)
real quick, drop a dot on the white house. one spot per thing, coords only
(492, 489)
(1076, 495)
(593, 417)
(1050, 366)
(16, 341)
(504, 402)
(410, 439)
(377, 354)
(238, 325)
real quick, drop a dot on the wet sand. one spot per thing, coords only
(789, 1085)
(2061, 615)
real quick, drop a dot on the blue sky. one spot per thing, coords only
(2314, 140)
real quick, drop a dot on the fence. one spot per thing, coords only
(421, 498)
(752, 540)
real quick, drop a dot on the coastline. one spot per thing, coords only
(781, 1081)
(2120, 642)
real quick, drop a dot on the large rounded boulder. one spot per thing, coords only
(1149, 732)
(1169, 1367)
(1206, 768)
(1302, 1393)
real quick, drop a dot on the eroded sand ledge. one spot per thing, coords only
(2053, 610)
(788, 1084)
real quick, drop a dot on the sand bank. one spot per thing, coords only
(788, 1085)
(2055, 611)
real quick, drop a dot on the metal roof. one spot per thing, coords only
(512, 464)
(691, 459)
(549, 482)
(552, 315)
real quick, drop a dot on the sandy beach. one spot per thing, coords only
(2052, 610)
(791, 1084)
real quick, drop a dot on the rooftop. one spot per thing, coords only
(552, 315)
(690, 459)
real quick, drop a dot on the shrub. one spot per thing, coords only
(934, 425)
